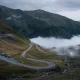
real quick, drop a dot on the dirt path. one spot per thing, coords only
(37, 47)
(24, 53)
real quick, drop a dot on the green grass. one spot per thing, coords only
(5, 28)
(29, 62)
(52, 57)
(7, 69)
(15, 48)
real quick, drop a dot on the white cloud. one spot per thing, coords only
(56, 42)
(60, 46)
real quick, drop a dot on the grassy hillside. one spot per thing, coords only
(13, 46)
(71, 74)
(4, 28)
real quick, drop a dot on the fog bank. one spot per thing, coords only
(60, 46)
(56, 42)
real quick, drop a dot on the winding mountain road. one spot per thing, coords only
(13, 61)
(23, 54)
(49, 64)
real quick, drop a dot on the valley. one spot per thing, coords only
(38, 45)
(21, 57)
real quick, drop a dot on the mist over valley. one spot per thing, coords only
(60, 45)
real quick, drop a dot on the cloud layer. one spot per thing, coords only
(61, 46)
(56, 42)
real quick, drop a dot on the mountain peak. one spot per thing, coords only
(38, 11)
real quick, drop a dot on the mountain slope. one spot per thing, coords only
(13, 45)
(21, 22)
(60, 26)
(39, 23)
(50, 18)
(11, 41)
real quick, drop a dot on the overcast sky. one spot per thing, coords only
(69, 8)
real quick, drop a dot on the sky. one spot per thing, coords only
(68, 8)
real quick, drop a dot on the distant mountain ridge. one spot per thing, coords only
(39, 23)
